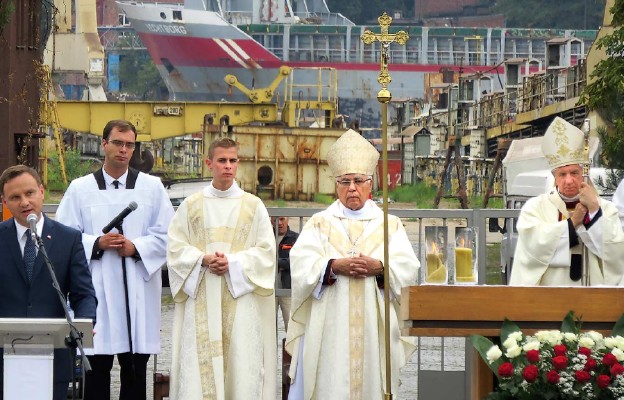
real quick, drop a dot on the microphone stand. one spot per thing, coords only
(74, 340)
(128, 319)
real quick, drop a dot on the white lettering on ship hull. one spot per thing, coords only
(161, 28)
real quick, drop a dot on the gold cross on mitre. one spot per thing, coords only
(385, 38)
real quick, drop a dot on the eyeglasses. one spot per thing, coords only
(356, 182)
(121, 143)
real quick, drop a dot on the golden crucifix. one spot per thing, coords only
(384, 96)
(385, 38)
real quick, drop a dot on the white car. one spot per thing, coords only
(181, 189)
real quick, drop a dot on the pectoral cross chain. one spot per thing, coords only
(354, 251)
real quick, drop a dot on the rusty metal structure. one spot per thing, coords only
(532, 95)
(278, 162)
(24, 28)
(282, 147)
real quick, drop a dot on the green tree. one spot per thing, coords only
(350, 9)
(605, 94)
(138, 76)
(570, 14)
(7, 8)
(75, 167)
(367, 12)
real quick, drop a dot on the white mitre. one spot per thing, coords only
(352, 154)
(563, 144)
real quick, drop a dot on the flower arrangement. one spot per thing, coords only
(563, 364)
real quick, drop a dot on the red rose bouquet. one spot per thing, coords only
(563, 364)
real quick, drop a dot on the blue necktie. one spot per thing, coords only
(30, 253)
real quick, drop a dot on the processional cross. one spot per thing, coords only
(384, 96)
(385, 38)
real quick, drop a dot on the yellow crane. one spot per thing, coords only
(49, 117)
(261, 95)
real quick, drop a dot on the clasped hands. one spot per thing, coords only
(357, 267)
(588, 202)
(117, 241)
(216, 263)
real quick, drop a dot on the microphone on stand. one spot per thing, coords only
(32, 221)
(123, 214)
(74, 340)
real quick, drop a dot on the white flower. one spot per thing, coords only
(541, 335)
(586, 341)
(493, 354)
(512, 339)
(619, 342)
(618, 353)
(531, 345)
(550, 337)
(597, 336)
(510, 342)
(515, 335)
(513, 352)
(610, 342)
(569, 337)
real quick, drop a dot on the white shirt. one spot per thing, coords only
(109, 180)
(21, 232)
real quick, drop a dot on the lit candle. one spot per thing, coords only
(436, 272)
(463, 264)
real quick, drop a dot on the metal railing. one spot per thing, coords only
(420, 218)
(415, 221)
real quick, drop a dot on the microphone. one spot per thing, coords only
(123, 214)
(32, 221)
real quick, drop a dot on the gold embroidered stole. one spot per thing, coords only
(213, 326)
(368, 244)
(356, 320)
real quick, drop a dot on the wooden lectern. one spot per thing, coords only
(480, 310)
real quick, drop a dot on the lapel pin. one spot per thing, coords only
(49, 237)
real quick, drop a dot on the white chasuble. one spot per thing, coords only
(342, 329)
(543, 254)
(223, 347)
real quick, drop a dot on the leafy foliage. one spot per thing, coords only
(323, 198)
(605, 92)
(7, 8)
(139, 77)
(579, 14)
(420, 193)
(612, 150)
(367, 11)
(74, 168)
(563, 364)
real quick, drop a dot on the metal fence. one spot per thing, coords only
(415, 221)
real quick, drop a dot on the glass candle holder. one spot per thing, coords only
(435, 271)
(465, 256)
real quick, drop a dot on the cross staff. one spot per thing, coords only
(385, 38)
(384, 96)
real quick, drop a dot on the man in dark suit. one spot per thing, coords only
(26, 289)
(286, 238)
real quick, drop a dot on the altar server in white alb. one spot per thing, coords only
(221, 258)
(89, 204)
(336, 332)
(554, 226)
